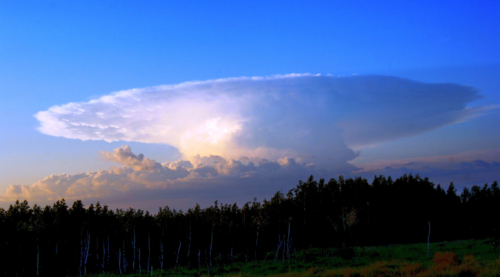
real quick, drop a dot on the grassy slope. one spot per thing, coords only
(464, 258)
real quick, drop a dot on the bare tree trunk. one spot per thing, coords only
(232, 260)
(37, 256)
(103, 256)
(284, 249)
(57, 243)
(288, 241)
(107, 260)
(20, 255)
(278, 248)
(149, 248)
(161, 249)
(189, 246)
(343, 224)
(256, 243)
(178, 253)
(87, 250)
(120, 260)
(81, 253)
(211, 243)
(428, 239)
(199, 261)
(140, 269)
(133, 257)
(124, 258)
(161, 256)
(97, 251)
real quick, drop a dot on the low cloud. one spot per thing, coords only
(139, 178)
(464, 169)
(124, 155)
(144, 183)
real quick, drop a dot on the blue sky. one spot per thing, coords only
(54, 53)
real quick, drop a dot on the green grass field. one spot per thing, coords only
(458, 258)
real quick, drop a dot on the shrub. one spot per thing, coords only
(469, 267)
(411, 269)
(376, 269)
(346, 253)
(445, 259)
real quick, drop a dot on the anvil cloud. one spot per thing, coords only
(312, 118)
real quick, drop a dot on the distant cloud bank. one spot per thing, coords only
(140, 177)
(144, 183)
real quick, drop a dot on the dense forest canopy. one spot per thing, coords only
(62, 239)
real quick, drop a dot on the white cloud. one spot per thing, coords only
(312, 118)
(140, 176)
(124, 155)
(144, 183)
(242, 137)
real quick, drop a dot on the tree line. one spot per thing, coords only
(76, 240)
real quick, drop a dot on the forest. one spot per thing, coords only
(75, 240)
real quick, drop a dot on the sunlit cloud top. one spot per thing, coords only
(312, 118)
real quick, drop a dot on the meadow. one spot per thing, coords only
(456, 258)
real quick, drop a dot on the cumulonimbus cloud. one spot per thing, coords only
(312, 118)
(241, 136)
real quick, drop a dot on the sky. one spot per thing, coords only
(147, 104)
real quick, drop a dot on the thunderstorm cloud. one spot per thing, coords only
(241, 137)
(311, 118)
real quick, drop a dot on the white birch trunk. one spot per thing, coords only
(107, 260)
(87, 250)
(124, 258)
(178, 253)
(288, 242)
(97, 251)
(37, 257)
(103, 256)
(256, 243)
(161, 256)
(120, 260)
(211, 243)
(428, 239)
(161, 249)
(189, 246)
(277, 249)
(149, 248)
(284, 249)
(81, 253)
(133, 257)
(199, 261)
(343, 224)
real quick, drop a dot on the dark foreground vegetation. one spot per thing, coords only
(339, 214)
(456, 258)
